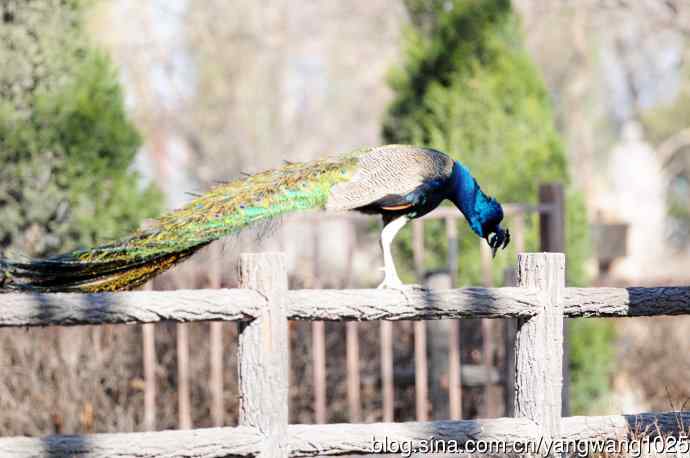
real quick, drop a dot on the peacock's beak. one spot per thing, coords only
(499, 239)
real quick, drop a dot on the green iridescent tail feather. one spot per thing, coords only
(224, 210)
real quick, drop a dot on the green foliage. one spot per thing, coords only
(467, 87)
(592, 349)
(66, 144)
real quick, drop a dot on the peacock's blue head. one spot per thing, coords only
(483, 213)
(487, 223)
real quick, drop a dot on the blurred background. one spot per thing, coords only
(112, 111)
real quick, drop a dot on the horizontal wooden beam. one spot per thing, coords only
(625, 427)
(66, 309)
(304, 440)
(336, 439)
(202, 443)
(339, 439)
(626, 302)
(411, 304)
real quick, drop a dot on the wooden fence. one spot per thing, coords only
(444, 337)
(263, 305)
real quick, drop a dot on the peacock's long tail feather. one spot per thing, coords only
(172, 238)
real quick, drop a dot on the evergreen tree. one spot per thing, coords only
(468, 87)
(66, 145)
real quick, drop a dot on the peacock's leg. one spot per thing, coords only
(390, 230)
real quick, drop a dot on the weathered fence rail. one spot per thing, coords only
(68, 309)
(263, 306)
(335, 439)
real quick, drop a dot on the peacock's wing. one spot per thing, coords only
(387, 174)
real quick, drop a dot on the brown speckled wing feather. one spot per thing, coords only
(388, 170)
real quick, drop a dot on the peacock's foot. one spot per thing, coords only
(392, 281)
(397, 284)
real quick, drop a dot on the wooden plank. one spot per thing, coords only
(199, 443)
(411, 304)
(318, 333)
(184, 404)
(626, 302)
(216, 372)
(263, 370)
(67, 309)
(510, 324)
(387, 386)
(352, 342)
(319, 375)
(539, 344)
(303, 440)
(517, 232)
(216, 346)
(420, 352)
(454, 373)
(149, 361)
(509, 331)
(368, 439)
(552, 239)
(421, 372)
(148, 343)
(353, 382)
(440, 368)
(490, 407)
(651, 425)
(334, 439)
(552, 223)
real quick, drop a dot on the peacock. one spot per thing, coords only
(398, 182)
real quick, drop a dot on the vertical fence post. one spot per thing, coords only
(184, 403)
(510, 324)
(539, 344)
(420, 357)
(318, 334)
(263, 343)
(509, 330)
(552, 239)
(353, 383)
(552, 223)
(386, 330)
(148, 338)
(421, 372)
(454, 378)
(491, 401)
(216, 346)
(148, 335)
(352, 343)
(440, 367)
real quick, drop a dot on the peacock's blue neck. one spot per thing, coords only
(468, 197)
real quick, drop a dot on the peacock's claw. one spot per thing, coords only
(399, 286)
